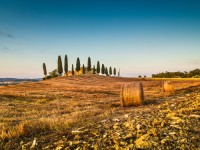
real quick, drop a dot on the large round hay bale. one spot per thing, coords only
(167, 86)
(132, 94)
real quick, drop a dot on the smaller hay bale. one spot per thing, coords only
(168, 87)
(132, 94)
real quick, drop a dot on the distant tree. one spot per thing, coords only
(110, 71)
(83, 69)
(94, 70)
(66, 64)
(44, 69)
(54, 73)
(195, 72)
(102, 69)
(78, 65)
(89, 64)
(139, 76)
(119, 73)
(178, 74)
(145, 76)
(72, 69)
(60, 68)
(114, 71)
(98, 67)
(106, 71)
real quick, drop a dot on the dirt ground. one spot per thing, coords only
(84, 112)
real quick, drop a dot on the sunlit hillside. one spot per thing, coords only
(84, 112)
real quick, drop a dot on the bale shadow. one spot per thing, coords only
(188, 89)
(152, 102)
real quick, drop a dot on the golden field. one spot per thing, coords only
(84, 112)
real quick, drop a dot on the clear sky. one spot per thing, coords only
(138, 36)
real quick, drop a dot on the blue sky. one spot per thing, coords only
(138, 36)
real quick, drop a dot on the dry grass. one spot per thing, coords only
(31, 128)
(55, 105)
(132, 94)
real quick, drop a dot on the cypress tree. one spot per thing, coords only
(94, 70)
(60, 68)
(106, 71)
(89, 64)
(66, 64)
(114, 71)
(78, 65)
(72, 69)
(44, 69)
(103, 69)
(83, 69)
(119, 73)
(110, 71)
(98, 67)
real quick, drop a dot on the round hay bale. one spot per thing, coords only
(168, 87)
(132, 94)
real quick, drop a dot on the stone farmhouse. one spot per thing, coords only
(80, 72)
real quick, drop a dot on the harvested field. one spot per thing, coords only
(84, 112)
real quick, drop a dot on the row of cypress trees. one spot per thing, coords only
(103, 70)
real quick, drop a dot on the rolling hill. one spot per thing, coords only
(84, 112)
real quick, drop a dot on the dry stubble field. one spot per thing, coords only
(84, 112)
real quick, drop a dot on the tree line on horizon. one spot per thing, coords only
(191, 74)
(95, 70)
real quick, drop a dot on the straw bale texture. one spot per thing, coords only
(167, 86)
(132, 94)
